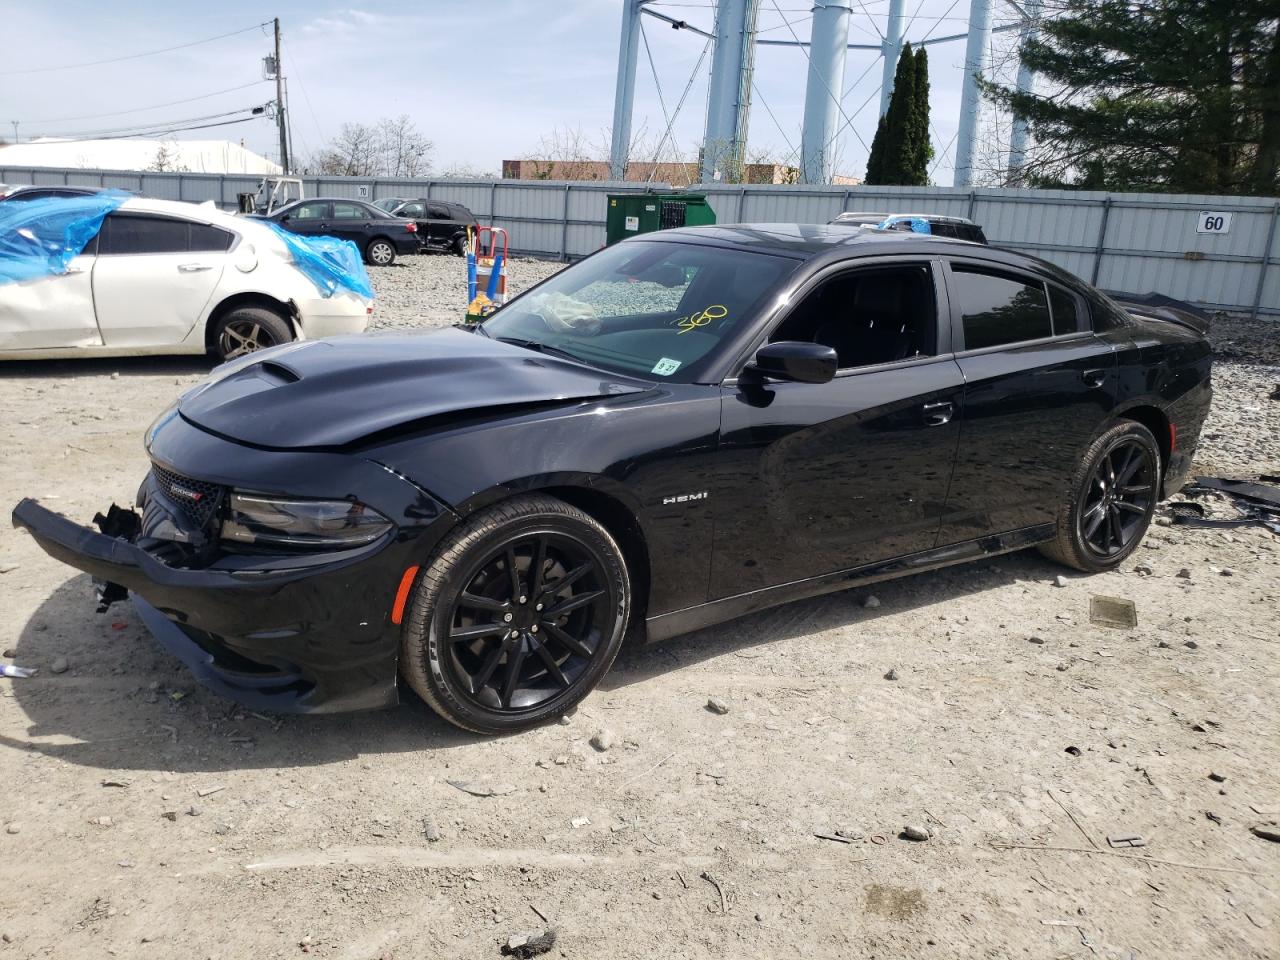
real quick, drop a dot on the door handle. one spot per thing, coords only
(193, 267)
(1094, 378)
(936, 414)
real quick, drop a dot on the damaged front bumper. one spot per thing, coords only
(299, 632)
(261, 637)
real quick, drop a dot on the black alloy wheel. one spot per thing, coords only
(518, 617)
(1119, 500)
(1112, 501)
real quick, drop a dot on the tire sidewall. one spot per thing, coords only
(260, 315)
(1124, 432)
(439, 604)
(391, 258)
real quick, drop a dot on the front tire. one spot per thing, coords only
(517, 617)
(1112, 499)
(380, 252)
(247, 330)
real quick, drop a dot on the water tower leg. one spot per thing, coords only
(729, 92)
(975, 52)
(891, 50)
(624, 95)
(1026, 81)
(827, 51)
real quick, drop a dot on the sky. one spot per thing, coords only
(483, 81)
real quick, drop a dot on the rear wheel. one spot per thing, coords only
(1112, 500)
(460, 246)
(518, 616)
(380, 252)
(247, 330)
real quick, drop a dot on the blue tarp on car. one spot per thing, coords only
(328, 262)
(40, 238)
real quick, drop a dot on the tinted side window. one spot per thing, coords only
(868, 316)
(1000, 309)
(349, 211)
(310, 211)
(972, 233)
(943, 230)
(411, 210)
(1068, 312)
(126, 233)
(205, 238)
(436, 212)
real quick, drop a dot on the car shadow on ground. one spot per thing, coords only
(154, 366)
(127, 704)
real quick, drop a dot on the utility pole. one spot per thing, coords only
(281, 121)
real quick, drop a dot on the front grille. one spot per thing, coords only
(198, 499)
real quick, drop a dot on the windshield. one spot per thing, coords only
(652, 308)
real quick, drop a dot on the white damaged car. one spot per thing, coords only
(164, 277)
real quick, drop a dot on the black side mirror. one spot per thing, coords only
(286, 218)
(796, 361)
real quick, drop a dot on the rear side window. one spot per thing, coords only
(411, 210)
(971, 232)
(998, 309)
(205, 238)
(349, 211)
(1068, 312)
(124, 233)
(436, 212)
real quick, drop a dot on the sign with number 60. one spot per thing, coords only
(1211, 221)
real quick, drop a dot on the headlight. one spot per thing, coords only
(274, 521)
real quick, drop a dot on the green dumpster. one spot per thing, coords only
(635, 213)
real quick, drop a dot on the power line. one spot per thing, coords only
(132, 56)
(160, 133)
(143, 130)
(154, 106)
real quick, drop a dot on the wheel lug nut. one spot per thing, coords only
(513, 634)
(534, 628)
(524, 599)
(538, 607)
(506, 617)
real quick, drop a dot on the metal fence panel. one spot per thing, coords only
(1137, 242)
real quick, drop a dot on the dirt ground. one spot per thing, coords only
(1019, 733)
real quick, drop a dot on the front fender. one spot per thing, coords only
(648, 452)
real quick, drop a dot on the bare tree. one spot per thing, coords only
(166, 159)
(462, 170)
(404, 152)
(389, 148)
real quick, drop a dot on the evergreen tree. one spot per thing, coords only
(901, 150)
(875, 160)
(918, 167)
(1163, 95)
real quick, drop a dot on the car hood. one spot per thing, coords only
(334, 393)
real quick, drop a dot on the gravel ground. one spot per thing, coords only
(979, 706)
(431, 290)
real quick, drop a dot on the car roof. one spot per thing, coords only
(803, 240)
(856, 216)
(809, 241)
(199, 212)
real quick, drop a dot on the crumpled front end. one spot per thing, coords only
(305, 626)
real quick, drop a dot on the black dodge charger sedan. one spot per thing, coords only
(678, 430)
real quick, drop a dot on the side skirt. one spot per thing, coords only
(717, 611)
